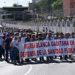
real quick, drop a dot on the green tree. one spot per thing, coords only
(47, 4)
(57, 4)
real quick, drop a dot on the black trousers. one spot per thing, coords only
(2, 51)
(14, 54)
(7, 49)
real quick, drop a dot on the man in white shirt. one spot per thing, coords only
(23, 38)
(14, 53)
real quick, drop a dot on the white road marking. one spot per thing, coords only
(28, 70)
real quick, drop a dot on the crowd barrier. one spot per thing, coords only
(56, 47)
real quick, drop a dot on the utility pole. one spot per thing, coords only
(50, 7)
(50, 12)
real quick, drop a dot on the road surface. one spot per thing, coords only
(38, 69)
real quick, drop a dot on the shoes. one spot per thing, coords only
(0, 59)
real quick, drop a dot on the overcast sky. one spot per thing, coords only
(11, 2)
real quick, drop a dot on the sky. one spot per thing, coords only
(11, 2)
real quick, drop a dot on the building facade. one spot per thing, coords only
(69, 7)
(15, 13)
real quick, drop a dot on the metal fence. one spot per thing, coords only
(55, 25)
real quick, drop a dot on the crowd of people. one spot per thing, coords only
(10, 39)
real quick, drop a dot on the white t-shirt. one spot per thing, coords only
(23, 39)
(15, 43)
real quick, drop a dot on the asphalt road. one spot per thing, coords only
(38, 69)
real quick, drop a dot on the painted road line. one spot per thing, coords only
(30, 69)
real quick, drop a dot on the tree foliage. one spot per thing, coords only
(47, 4)
(57, 4)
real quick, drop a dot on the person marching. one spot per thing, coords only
(14, 52)
(7, 46)
(1, 46)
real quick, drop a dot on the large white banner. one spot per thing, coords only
(55, 47)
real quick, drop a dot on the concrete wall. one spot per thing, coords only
(66, 7)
